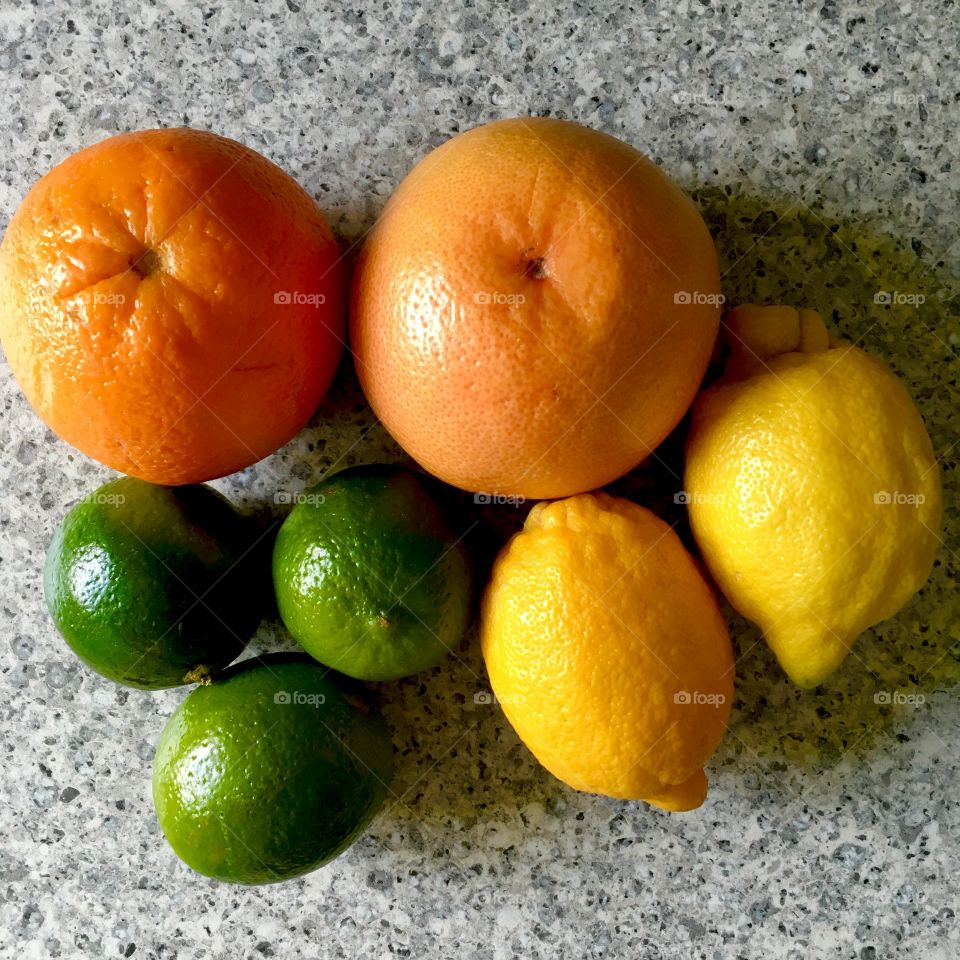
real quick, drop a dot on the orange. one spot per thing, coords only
(171, 304)
(607, 651)
(535, 308)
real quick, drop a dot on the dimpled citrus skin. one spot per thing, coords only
(596, 621)
(137, 304)
(151, 586)
(270, 771)
(784, 472)
(370, 577)
(513, 312)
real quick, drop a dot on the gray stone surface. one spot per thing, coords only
(821, 142)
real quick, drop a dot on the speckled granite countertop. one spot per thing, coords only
(820, 140)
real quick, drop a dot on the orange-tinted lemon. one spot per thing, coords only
(608, 652)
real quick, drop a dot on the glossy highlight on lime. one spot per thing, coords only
(271, 770)
(150, 585)
(370, 575)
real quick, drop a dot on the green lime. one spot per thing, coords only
(369, 575)
(146, 583)
(270, 770)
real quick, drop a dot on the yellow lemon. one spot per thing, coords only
(607, 651)
(812, 488)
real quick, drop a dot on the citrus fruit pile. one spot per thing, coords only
(530, 317)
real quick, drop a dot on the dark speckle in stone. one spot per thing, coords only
(380, 880)
(261, 91)
(909, 832)
(26, 452)
(22, 647)
(851, 855)
(8, 57)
